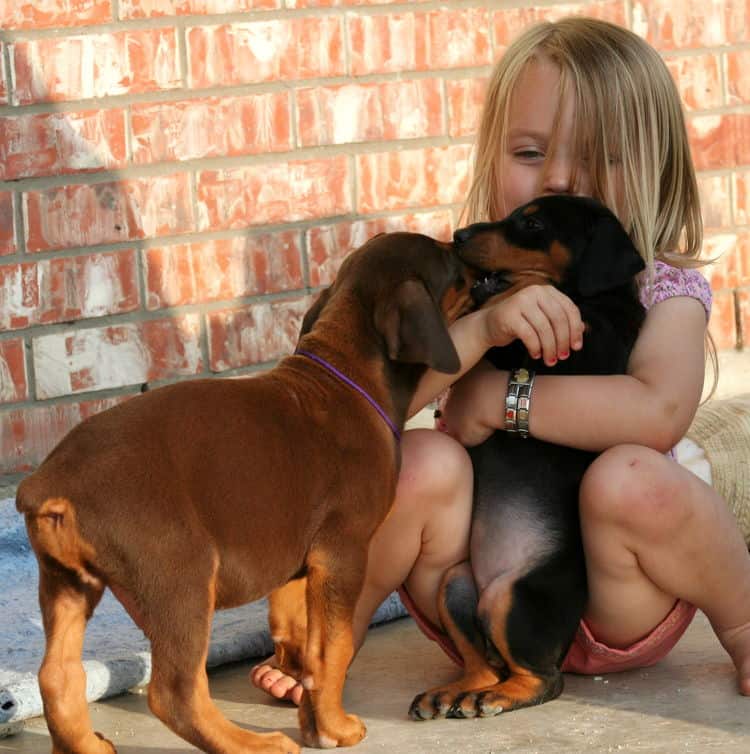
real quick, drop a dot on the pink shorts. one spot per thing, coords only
(587, 655)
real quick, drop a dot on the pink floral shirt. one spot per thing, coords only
(669, 282)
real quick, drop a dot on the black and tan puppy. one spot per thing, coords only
(513, 612)
(207, 494)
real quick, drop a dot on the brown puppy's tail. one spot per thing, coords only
(68, 593)
(53, 531)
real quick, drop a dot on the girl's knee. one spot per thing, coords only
(434, 469)
(637, 490)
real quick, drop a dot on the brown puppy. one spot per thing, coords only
(208, 494)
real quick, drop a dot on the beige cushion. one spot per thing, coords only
(722, 429)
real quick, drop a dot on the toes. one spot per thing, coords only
(276, 683)
(429, 705)
(286, 688)
(473, 704)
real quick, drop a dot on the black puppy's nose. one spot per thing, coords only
(462, 235)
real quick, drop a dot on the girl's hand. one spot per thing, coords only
(475, 406)
(547, 322)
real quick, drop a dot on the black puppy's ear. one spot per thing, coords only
(609, 260)
(312, 314)
(414, 329)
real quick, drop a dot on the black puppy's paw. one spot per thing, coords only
(478, 704)
(431, 704)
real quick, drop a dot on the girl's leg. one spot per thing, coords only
(426, 532)
(654, 532)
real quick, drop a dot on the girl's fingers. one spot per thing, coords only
(526, 331)
(545, 334)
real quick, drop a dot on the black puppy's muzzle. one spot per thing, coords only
(462, 235)
(489, 282)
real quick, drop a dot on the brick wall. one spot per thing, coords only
(177, 177)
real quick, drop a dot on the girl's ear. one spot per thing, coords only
(312, 314)
(609, 260)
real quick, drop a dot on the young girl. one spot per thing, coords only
(583, 107)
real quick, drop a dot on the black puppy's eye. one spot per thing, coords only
(530, 222)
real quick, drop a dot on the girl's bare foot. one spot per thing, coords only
(737, 643)
(274, 681)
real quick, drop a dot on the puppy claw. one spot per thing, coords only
(429, 705)
(476, 704)
(351, 732)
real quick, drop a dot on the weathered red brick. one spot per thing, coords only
(212, 127)
(465, 103)
(223, 269)
(413, 178)
(3, 89)
(329, 3)
(329, 244)
(77, 361)
(508, 23)
(368, 112)
(712, 141)
(64, 289)
(722, 325)
(39, 14)
(698, 80)
(692, 23)
(7, 224)
(741, 194)
(13, 384)
(281, 49)
(95, 65)
(54, 143)
(280, 192)
(254, 334)
(715, 203)
(742, 255)
(79, 215)
(723, 251)
(419, 41)
(738, 83)
(130, 9)
(27, 435)
(737, 14)
(743, 298)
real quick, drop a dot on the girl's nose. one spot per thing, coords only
(558, 177)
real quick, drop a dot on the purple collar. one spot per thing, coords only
(335, 372)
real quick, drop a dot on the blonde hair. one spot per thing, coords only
(627, 108)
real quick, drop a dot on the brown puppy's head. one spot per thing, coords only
(574, 243)
(409, 288)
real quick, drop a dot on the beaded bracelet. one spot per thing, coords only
(518, 401)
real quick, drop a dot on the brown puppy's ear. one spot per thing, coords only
(610, 259)
(312, 314)
(414, 329)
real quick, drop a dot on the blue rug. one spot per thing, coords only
(116, 653)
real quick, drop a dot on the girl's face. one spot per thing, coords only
(528, 167)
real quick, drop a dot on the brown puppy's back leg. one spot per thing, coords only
(67, 603)
(177, 622)
(457, 606)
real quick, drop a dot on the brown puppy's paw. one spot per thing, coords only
(348, 731)
(107, 746)
(278, 743)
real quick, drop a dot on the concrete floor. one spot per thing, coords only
(687, 703)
